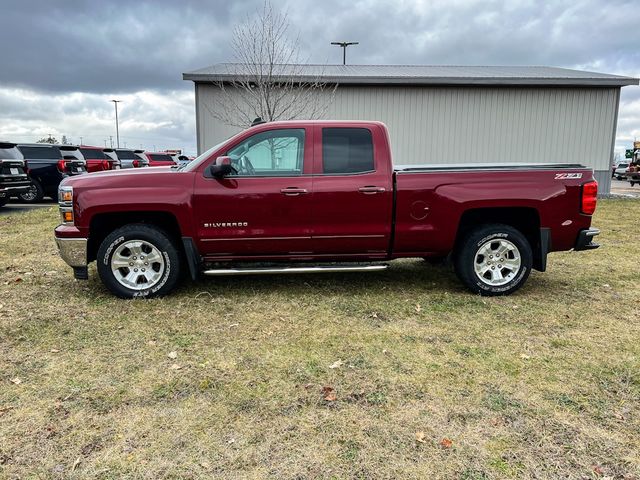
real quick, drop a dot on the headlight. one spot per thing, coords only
(65, 202)
(65, 195)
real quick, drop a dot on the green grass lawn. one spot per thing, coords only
(428, 381)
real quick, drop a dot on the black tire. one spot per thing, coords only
(34, 195)
(468, 256)
(166, 269)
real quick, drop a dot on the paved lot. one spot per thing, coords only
(13, 207)
(621, 187)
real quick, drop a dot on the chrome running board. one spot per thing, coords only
(270, 270)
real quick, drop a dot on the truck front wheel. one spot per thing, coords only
(493, 260)
(138, 261)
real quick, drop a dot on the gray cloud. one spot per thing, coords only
(68, 57)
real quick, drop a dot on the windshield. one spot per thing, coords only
(188, 167)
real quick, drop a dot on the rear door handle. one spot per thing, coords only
(293, 191)
(370, 190)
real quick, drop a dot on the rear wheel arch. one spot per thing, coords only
(524, 219)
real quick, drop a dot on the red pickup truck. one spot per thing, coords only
(320, 196)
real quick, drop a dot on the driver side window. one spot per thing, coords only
(271, 153)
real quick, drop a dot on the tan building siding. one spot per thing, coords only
(470, 124)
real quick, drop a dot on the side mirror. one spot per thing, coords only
(221, 168)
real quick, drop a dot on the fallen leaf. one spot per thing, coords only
(18, 280)
(151, 343)
(16, 381)
(446, 443)
(420, 437)
(4, 410)
(329, 394)
(524, 356)
(172, 355)
(597, 469)
(175, 366)
(606, 285)
(418, 308)
(54, 350)
(75, 464)
(336, 364)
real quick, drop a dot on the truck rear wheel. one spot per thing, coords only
(494, 260)
(138, 261)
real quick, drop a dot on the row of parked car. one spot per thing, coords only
(31, 171)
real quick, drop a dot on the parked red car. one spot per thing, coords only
(159, 159)
(98, 160)
(312, 196)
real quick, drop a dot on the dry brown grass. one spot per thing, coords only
(543, 384)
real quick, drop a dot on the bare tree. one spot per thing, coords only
(267, 79)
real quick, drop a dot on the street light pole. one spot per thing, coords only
(115, 104)
(344, 46)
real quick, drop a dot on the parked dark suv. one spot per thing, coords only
(13, 177)
(47, 167)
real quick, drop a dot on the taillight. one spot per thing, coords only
(62, 166)
(589, 198)
(106, 165)
(136, 164)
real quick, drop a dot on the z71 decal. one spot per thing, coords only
(565, 176)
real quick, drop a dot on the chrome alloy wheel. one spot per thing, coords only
(497, 262)
(29, 195)
(137, 264)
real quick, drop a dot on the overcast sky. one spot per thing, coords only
(61, 62)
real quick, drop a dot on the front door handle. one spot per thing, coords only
(293, 191)
(371, 190)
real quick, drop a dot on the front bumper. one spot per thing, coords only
(585, 239)
(73, 251)
(13, 190)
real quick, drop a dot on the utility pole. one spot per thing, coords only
(344, 46)
(81, 141)
(111, 140)
(115, 104)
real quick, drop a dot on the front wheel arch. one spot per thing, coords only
(125, 271)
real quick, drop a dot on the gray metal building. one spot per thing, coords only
(454, 114)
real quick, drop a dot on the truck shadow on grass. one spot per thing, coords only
(404, 277)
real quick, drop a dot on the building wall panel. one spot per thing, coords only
(469, 124)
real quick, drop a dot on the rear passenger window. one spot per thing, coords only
(34, 153)
(347, 150)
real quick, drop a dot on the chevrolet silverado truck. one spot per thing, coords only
(320, 196)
